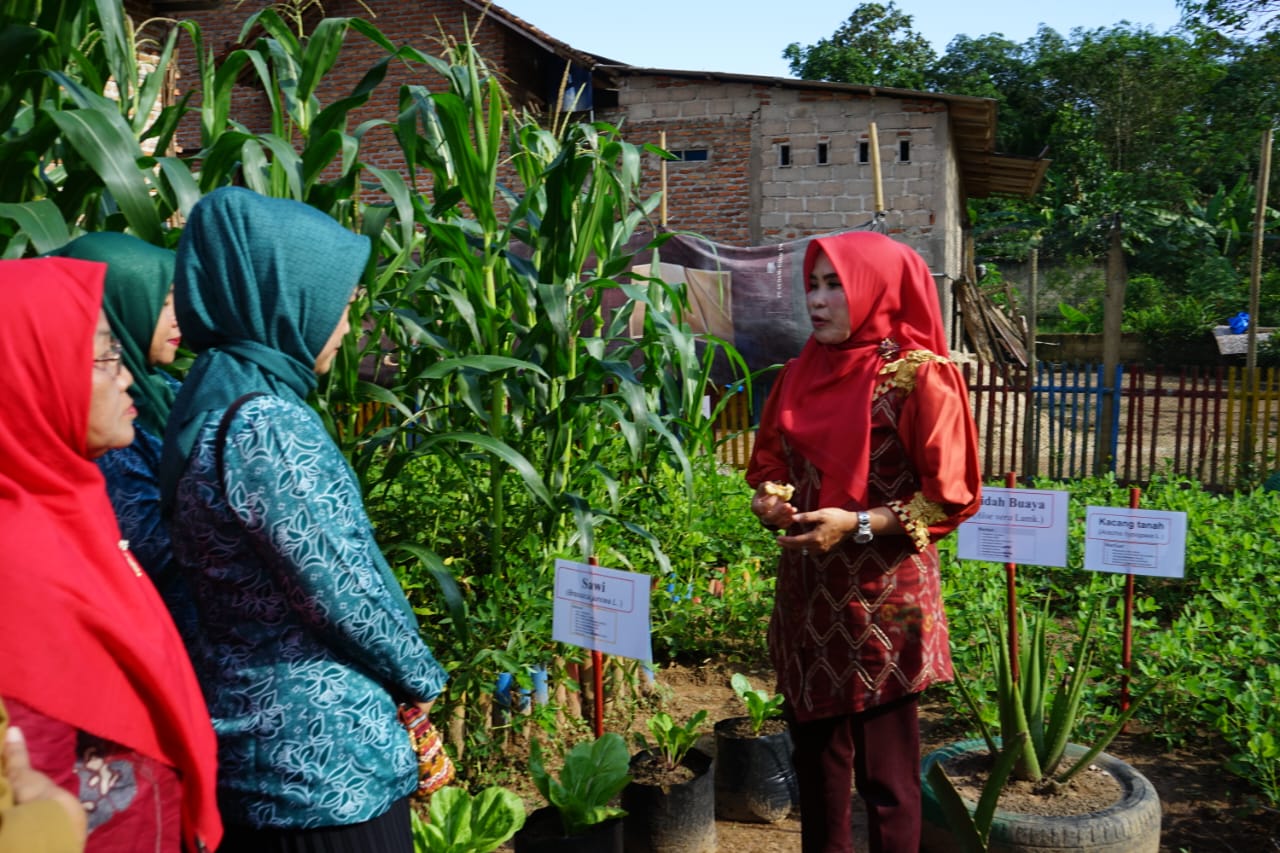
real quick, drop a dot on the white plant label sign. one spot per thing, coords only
(1135, 541)
(601, 609)
(1025, 526)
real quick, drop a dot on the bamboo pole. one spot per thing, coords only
(1255, 288)
(875, 170)
(1031, 427)
(662, 218)
(1113, 314)
(1255, 269)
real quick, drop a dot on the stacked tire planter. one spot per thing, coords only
(1130, 825)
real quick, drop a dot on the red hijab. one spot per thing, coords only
(84, 637)
(823, 406)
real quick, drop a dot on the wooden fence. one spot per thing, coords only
(1219, 426)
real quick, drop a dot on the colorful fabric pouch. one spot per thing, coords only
(435, 768)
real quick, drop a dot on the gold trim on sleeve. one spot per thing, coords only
(916, 515)
(902, 373)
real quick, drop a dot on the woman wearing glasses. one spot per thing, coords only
(138, 302)
(91, 667)
(306, 642)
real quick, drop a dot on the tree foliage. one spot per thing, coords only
(1239, 15)
(875, 47)
(1160, 129)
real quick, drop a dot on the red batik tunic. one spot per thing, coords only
(863, 624)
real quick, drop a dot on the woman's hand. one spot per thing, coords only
(829, 526)
(30, 785)
(772, 510)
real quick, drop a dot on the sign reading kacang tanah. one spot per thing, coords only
(1135, 541)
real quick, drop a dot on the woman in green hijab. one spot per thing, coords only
(138, 301)
(306, 643)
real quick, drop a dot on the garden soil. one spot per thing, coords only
(1205, 808)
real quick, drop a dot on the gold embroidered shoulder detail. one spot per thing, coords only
(916, 515)
(902, 373)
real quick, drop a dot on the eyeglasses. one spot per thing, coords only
(112, 362)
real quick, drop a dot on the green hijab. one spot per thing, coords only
(261, 283)
(139, 276)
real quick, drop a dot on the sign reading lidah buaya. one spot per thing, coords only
(1135, 541)
(1027, 526)
(601, 609)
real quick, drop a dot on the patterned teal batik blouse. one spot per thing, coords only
(305, 641)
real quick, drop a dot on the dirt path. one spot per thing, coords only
(1205, 807)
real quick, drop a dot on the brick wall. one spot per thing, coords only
(740, 193)
(423, 23)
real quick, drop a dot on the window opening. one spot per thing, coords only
(823, 152)
(784, 155)
(864, 152)
(692, 155)
(904, 150)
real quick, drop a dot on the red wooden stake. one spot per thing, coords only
(597, 676)
(1011, 597)
(1126, 651)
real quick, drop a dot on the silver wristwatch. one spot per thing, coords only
(863, 534)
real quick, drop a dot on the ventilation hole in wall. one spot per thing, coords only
(864, 152)
(824, 151)
(692, 155)
(784, 155)
(904, 150)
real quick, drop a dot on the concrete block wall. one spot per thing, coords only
(742, 194)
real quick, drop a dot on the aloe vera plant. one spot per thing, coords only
(1039, 710)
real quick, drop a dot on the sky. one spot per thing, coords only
(748, 36)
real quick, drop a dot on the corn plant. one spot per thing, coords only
(70, 153)
(494, 296)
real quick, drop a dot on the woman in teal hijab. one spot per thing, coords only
(138, 301)
(306, 643)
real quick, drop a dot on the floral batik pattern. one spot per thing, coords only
(306, 641)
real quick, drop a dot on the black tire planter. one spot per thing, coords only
(543, 833)
(672, 818)
(1131, 825)
(755, 779)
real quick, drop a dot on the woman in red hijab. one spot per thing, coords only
(871, 427)
(91, 666)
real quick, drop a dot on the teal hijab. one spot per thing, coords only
(260, 285)
(139, 276)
